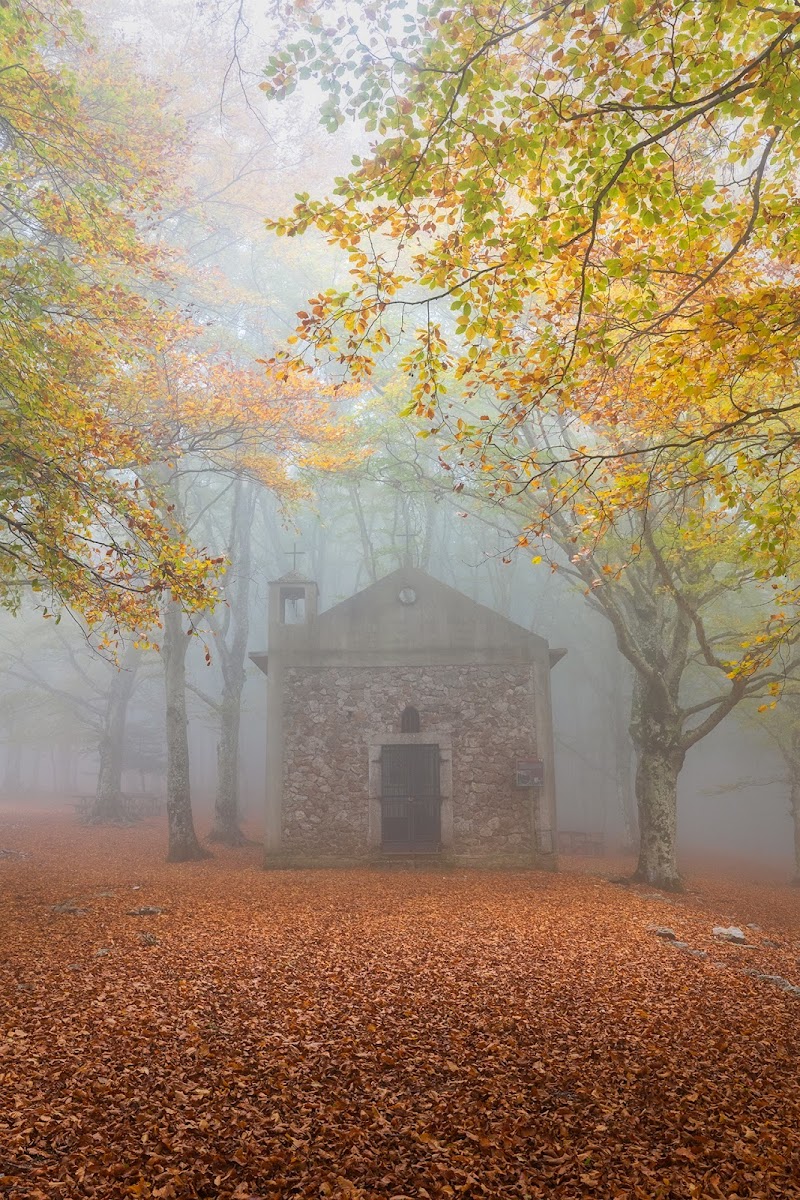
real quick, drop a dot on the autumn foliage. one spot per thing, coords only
(579, 209)
(383, 1035)
(105, 382)
(78, 181)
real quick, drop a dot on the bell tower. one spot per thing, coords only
(292, 616)
(293, 601)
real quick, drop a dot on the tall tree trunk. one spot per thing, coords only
(431, 516)
(367, 549)
(226, 808)
(12, 772)
(108, 806)
(67, 769)
(183, 843)
(656, 732)
(233, 656)
(657, 773)
(35, 772)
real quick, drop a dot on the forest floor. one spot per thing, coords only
(384, 1034)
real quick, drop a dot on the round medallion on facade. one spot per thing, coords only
(407, 596)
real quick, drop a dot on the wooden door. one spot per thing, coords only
(410, 799)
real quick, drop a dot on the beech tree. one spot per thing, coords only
(83, 702)
(693, 661)
(217, 419)
(587, 205)
(111, 397)
(232, 635)
(87, 156)
(693, 608)
(111, 748)
(693, 619)
(230, 626)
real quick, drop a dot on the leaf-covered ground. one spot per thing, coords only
(383, 1034)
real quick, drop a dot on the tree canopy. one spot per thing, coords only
(85, 165)
(109, 376)
(582, 207)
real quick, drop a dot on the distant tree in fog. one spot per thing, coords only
(230, 626)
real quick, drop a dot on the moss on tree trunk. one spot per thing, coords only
(657, 800)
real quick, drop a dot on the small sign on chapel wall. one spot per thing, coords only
(529, 772)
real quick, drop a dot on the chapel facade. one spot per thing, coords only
(407, 720)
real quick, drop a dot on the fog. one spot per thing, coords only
(399, 639)
(243, 160)
(733, 792)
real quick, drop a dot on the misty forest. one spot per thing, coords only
(399, 603)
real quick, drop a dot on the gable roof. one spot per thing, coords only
(440, 623)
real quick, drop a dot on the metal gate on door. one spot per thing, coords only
(410, 799)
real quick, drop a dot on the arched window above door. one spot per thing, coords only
(409, 721)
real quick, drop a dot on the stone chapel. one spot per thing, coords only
(407, 720)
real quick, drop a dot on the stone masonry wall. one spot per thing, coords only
(332, 714)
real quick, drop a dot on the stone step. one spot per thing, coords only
(423, 861)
